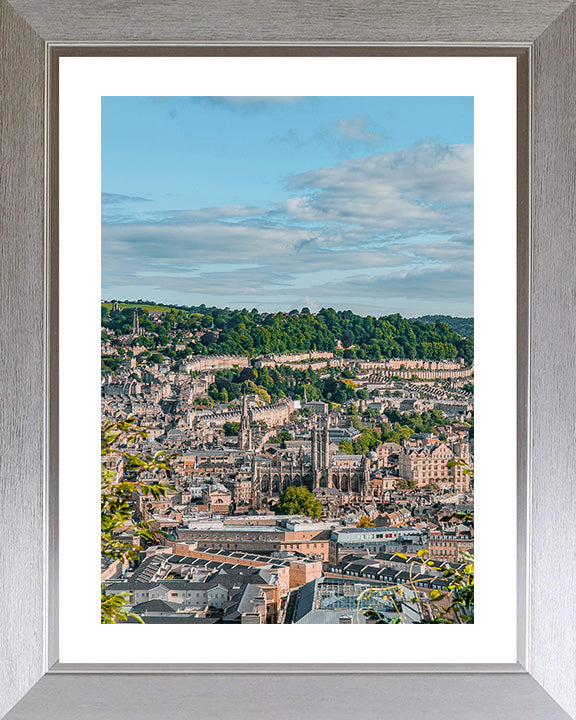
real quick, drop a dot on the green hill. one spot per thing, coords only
(148, 307)
(249, 332)
(461, 325)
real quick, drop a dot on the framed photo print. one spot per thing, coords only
(302, 292)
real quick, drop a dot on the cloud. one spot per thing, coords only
(345, 135)
(248, 103)
(360, 129)
(409, 291)
(116, 199)
(440, 282)
(210, 213)
(457, 248)
(427, 187)
(391, 232)
(274, 247)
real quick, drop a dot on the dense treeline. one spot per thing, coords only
(223, 331)
(462, 325)
(275, 383)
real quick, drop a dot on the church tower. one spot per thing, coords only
(245, 431)
(461, 449)
(365, 480)
(325, 449)
(314, 452)
(255, 483)
(135, 324)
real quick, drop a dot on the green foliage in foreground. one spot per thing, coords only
(116, 507)
(458, 607)
(298, 500)
(455, 605)
(113, 608)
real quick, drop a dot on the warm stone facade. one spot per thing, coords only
(428, 463)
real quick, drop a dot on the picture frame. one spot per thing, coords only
(543, 682)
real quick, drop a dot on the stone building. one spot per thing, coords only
(448, 543)
(427, 462)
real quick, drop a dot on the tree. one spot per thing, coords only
(243, 331)
(282, 437)
(347, 339)
(365, 522)
(403, 484)
(298, 500)
(369, 439)
(263, 393)
(231, 429)
(203, 401)
(209, 338)
(116, 507)
(346, 447)
(355, 422)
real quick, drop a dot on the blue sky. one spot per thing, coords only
(360, 203)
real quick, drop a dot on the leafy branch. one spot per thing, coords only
(119, 439)
(459, 608)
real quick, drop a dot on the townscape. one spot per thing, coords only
(320, 465)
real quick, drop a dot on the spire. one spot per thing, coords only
(135, 324)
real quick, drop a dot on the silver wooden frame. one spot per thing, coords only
(542, 685)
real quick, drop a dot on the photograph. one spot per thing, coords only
(287, 360)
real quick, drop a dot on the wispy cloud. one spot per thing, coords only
(117, 199)
(222, 212)
(346, 135)
(360, 129)
(248, 103)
